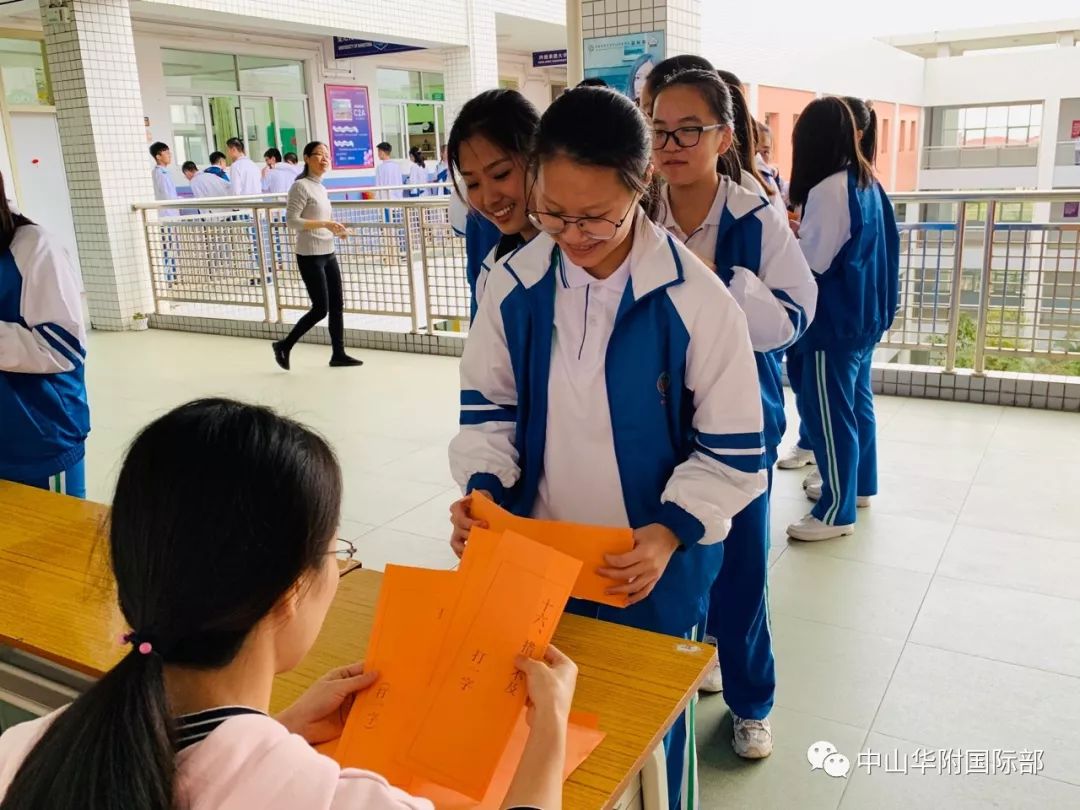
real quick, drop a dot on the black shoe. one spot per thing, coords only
(344, 360)
(281, 355)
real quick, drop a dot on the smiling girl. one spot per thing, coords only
(488, 152)
(609, 379)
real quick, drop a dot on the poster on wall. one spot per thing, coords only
(1071, 210)
(349, 119)
(1076, 128)
(624, 61)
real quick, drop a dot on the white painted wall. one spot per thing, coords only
(1001, 77)
(533, 83)
(1025, 177)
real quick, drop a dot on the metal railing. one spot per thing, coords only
(964, 298)
(1015, 294)
(980, 157)
(1067, 153)
(236, 257)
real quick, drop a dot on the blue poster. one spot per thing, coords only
(624, 61)
(348, 47)
(349, 119)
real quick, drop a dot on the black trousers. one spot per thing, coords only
(322, 277)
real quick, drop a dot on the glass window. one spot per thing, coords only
(261, 74)
(975, 117)
(189, 130)
(1033, 134)
(950, 119)
(402, 84)
(997, 117)
(1018, 135)
(190, 70)
(995, 136)
(26, 81)
(974, 137)
(260, 130)
(1019, 115)
(432, 84)
(1036, 114)
(390, 118)
(292, 121)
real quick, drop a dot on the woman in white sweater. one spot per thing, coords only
(309, 214)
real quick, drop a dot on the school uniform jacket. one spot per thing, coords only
(44, 415)
(758, 259)
(851, 241)
(685, 411)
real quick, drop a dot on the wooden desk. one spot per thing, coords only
(57, 605)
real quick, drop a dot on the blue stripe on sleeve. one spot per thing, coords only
(474, 398)
(747, 464)
(67, 337)
(731, 441)
(488, 415)
(60, 348)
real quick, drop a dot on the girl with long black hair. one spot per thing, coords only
(850, 239)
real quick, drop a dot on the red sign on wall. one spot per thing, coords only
(1075, 128)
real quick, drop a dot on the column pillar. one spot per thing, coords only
(91, 55)
(472, 69)
(680, 20)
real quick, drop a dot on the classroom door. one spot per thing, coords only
(423, 129)
(260, 129)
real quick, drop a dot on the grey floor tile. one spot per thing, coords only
(430, 519)
(950, 700)
(375, 499)
(381, 546)
(920, 496)
(909, 458)
(1019, 627)
(1030, 471)
(883, 538)
(871, 598)
(781, 782)
(1017, 561)
(926, 786)
(1045, 514)
(831, 671)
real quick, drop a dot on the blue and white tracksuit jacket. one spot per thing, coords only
(44, 416)
(683, 393)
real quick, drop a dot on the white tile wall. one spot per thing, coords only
(680, 20)
(99, 113)
(469, 70)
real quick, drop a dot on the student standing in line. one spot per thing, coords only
(489, 148)
(763, 159)
(309, 213)
(388, 172)
(164, 188)
(609, 379)
(213, 181)
(245, 179)
(418, 174)
(276, 179)
(189, 169)
(292, 163)
(226, 566)
(732, 228)
(442, 172)
(849, 237)
(42, 353)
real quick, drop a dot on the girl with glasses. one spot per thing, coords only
(748, 243)
(488, 151)
(849, 236)
(225, 566)
(609, 379)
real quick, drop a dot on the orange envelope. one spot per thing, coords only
(582, 738)
(515, 595)
(413, 612)
(586, 543)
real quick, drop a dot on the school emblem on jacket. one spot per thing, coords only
(663, 385)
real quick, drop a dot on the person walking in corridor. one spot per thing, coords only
(309, 213)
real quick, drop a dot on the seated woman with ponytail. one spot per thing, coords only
(225, 568)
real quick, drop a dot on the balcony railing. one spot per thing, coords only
(1067, 153)
(1014, 295)
(980, 157)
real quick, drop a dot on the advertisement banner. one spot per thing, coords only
(349, 117)
(624, 61)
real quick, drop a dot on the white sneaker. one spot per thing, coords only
(796, 458)
(752, 739)
(810, 529)
(713, 682)
(812, 480)
(813, 492)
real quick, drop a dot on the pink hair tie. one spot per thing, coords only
(144, 647)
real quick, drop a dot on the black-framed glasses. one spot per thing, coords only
(598, 228)
(684, 137)
(346, 557)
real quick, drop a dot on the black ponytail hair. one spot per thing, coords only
(718, 96)
(10, 221)
(745, 130)
(502, 116)
(221, 509)
(417, 156)
(672, 65)
(597, 126)
(309, 150)
(865, 122)
(823, 143)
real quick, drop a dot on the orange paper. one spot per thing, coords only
(582, 738)
(414, 609)
(513, 597)
(586, 543)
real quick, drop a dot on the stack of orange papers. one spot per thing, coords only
(586, 543)
(446, 717)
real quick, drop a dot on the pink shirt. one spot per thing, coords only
(248, 761)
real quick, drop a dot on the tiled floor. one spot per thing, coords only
(950, 620)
